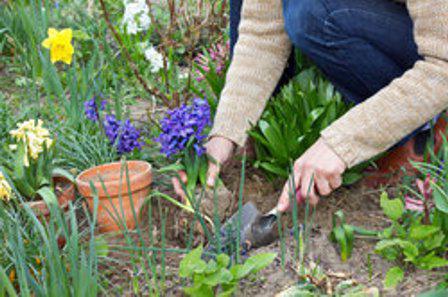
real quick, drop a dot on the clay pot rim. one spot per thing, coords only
(137, 181)
(64, 199)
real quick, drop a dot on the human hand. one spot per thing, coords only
(219, 150)
(317, 172)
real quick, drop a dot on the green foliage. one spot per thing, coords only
(41, 258)
(293, 120)
(344, 234)
(6, 119)
(408, 240)
(209, 278)
(393, 209)
(84, 148)
(393, 277)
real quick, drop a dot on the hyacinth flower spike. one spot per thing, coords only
(184, 130)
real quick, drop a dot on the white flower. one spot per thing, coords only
(183, 75)
(153, 57)
(136, 18)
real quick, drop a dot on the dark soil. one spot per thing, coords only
(361, 208)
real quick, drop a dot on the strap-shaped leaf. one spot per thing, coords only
(47, 194)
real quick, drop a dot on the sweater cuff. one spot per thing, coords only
(228, 131)
(339, 143)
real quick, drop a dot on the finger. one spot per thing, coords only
(284, 201)
(323, 186)
(178, 188)
(183, 176)
(212, 174)
(308, 190)
(299, 196)
(335, 181)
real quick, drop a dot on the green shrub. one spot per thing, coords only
(220, 275)
(293, 120)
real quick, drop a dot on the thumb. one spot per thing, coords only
(212, 174)
(283, 202)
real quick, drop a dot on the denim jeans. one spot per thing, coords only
(360, 45)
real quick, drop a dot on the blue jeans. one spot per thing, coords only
(360, 45)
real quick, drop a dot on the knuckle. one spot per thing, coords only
(314, 199)
(325, 192)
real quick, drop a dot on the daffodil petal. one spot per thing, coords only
(47, 43)
(66, 35)
(52, 32)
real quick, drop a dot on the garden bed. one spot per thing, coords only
(89, 83)
(364, 269)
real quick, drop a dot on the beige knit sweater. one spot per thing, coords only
(369, 128)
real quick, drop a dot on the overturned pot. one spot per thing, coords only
(65, 192)
(117, 202)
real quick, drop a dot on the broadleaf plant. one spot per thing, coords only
(218, 277)
(293, 120)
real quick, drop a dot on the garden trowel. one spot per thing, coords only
(255, 229)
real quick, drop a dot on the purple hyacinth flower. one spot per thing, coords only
(123, 135)
(91, 109)
(183, 126)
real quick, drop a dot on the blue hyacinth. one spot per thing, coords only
(122, 134)
(183, 126)
(91, 109)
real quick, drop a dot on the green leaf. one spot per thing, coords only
(222, 276)
(434, 241)
(80, 35)
(419, 232)
(339, 236)
(211, 267)
(349, 178)
(253, 265)
(431, 261)
(47, 194)
(435, 293)
(392, 208)
(101, 246)
(60, 172)
(228, 292)
(192, 263)
(171, 168)
(408, 248)
(393, 277)
(201, 291)
(440, 198)
(282, 172)
(387, 232)
(223, 260)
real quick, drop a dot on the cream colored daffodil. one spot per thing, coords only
(34, 136)
(5, 188)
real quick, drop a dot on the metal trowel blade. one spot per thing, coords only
(256, 229)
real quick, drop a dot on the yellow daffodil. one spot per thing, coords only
(5, 188)
(34, 137)
(59, 43)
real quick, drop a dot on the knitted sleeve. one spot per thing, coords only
(408, 102)
(260, 56)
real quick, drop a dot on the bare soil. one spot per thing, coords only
(361, 207)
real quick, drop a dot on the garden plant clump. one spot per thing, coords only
(104, 103)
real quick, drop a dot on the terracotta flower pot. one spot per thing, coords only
(117, 198)
(65, 192)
